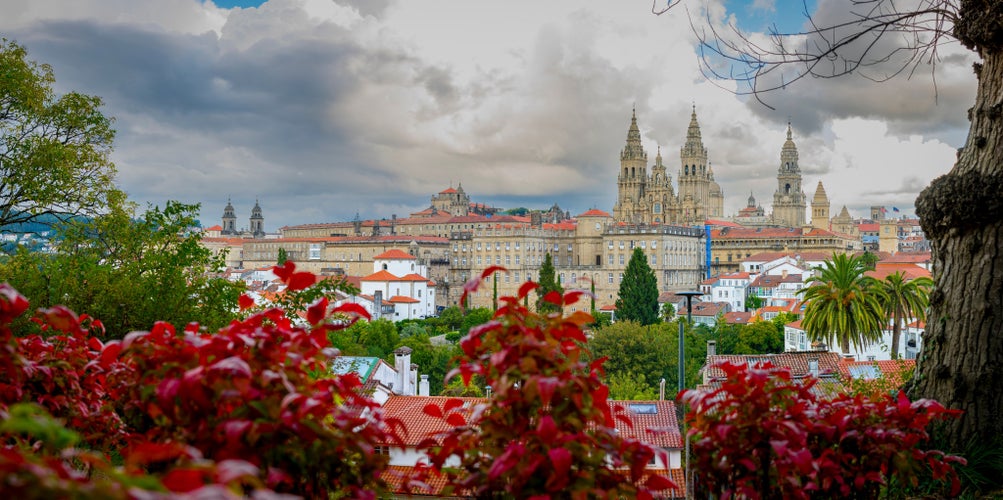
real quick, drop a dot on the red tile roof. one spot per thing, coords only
(594, 213)
(895, 371)
(659, 429)
(217, 227)
(401, 299)
(797, 362)
(417, 424)
(448, 190)
(412, 277)
(909, 271)
(395, 254)
(737, 317)
(381, 275)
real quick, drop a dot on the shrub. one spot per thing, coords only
(548, 428)
(763, 435)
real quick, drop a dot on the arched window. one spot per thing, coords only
(384, 266)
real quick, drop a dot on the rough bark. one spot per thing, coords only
(961, 364)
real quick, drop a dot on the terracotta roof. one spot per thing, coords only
(395, 254)
(402, 299)
(908, 257)
(806, 256)
(595, 212)
(228, 241)
(795, 324)
(652, 422)
(796, 362)
(909, 271)
(448, 190)
(412, 277)
(710, 281)
(396, 475)
(869, 228)
(608, 308)
(217, 227)
(737, 317)
(735, 276)
(381, 275)
(708, 308)
(721, 223)
(561, 226)
(893, 370)
(417, 424)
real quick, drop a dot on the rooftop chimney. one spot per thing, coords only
(813, 367)
(711, 348)
(661, 390)
(423, 386)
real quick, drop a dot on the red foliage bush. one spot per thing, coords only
(548, 428)
(764, 435)
(247, 408)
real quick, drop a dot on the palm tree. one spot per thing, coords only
(842, 304)
(900, 299)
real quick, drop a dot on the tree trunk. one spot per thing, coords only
(961, 364)
(896, 334)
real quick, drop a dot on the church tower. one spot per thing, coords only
(661, 196)
(789, 200)
(820, 208)
(229, 220)
(630, 202)
(694, 176)
(257, 221)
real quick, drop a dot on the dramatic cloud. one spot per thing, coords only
(321, 109)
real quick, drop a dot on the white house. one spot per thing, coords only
(398, 289)
(731, 288)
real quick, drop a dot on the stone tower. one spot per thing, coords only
(694, 176)
(789, 201)
(257, 221)
(229, 219)
(820, 208)
(843, 223)
(630, 202)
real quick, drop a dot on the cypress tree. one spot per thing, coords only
(638, 298)
(548, 283)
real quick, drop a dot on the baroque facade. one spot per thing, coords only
(644, 198)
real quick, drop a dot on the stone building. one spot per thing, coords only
(789, 200)
(651, 199)
(820, 208)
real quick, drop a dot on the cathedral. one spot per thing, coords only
(651, 199)
(257, 220)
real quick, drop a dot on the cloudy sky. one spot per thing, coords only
(325, 108)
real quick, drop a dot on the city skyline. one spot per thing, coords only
(321, 109)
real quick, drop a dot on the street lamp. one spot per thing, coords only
(682, 346)
(682, 376)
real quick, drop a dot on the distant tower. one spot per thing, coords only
(229, 219)
(633, 177)
(820, 208)
(789, 201)
(694, 177)
(257, 221)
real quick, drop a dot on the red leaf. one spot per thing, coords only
(546, 386)
(351, 308)
(301, 281)
(456, 420)
(433, 410)
(110, 352)
(245, 301)
(527, 287)
(284, 271)
(554, 298)
(12, 304)
(658, 483)
(574, 295)
(491, 270)
(60, 318)
(232, 366)
(561, 459)
(184, 480)
(452, 404)
(315, 313)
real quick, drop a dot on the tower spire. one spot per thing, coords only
(633, 149)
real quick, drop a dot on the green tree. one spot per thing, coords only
(753, 302)
(380, 338)
(548, 283)
(54, 151)
(626, 386)
(638, 297)
(668, 311)
(870, 260)
(130, 272)
(842, 304)
(759, 337)
(451, 317)
(900, 299)
(283, 257)
(474, 317)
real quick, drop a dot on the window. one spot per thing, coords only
(621, 259)
(464, 262)
(315, 251)
(561, 278)
(621, 245)
(516, 258)
(497, 245)
(643, 244)
(557, 247)
(507, 277)
(508, 260)
(517, 277)
(574, 278)
(497, 260)
(508, 245)
(654, 260)
(611, 278)
(517, 245)
(609, 244)
(569, 247)
(569, 261)
(654, 244)
(621, 278)
(479, 260)
(478, 245)
(611, 259)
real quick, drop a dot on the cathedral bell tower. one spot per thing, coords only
(630, 203)
(694, 176)
(257, 221)
(789, 201)
(229, 219)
